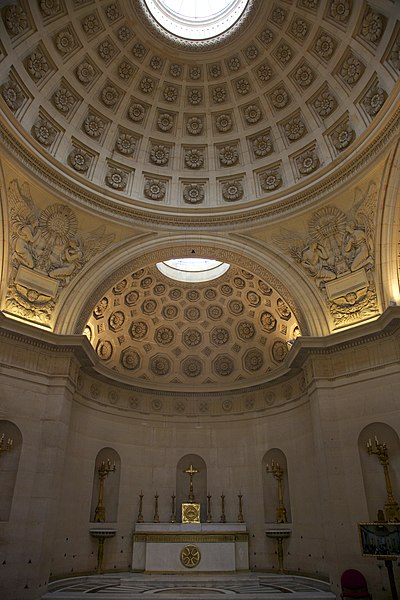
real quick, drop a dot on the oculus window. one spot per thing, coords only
(192, 269)
(197, 19)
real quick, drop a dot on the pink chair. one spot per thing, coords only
(354, 585)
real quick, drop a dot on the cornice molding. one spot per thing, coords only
(371, 144)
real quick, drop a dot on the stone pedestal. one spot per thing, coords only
(188, 547)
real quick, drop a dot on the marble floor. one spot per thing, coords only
(138, 586)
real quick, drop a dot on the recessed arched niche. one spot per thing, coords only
(276, 457)
(199, 484)
(372, 469)
(105, 457)
(9, 461)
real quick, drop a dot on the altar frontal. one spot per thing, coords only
(185, 544)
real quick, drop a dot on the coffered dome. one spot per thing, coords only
(146, 122)
(153, 329)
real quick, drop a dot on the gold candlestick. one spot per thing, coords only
(156, 518)
(140, 511)
(191, 471)
(392, 509)
(103, 471)
(209, 515)
(173, 509)
(5, 446)
(223, 517)
(240, 515)
(277, 472)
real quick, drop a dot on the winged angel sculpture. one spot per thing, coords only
(337, 244)
(48, 245)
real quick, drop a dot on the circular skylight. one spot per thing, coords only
(192, 269)
(196, 19)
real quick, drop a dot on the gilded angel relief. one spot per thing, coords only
(47, 251)
(337, 250)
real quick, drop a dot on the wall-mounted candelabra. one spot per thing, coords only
(278, 472)
(5, 444)
(392, 509)
(103, 471)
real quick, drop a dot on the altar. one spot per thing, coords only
(188, 547)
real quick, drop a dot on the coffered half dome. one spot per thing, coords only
(159, 331)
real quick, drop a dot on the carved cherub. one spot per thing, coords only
(309, 253)
(78, 252)
(25, 231)
(359, 236)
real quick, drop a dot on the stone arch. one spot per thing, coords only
(306, 305)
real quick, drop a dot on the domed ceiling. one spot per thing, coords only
(108, 99)
(151, 328)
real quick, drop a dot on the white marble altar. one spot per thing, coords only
(223, 547)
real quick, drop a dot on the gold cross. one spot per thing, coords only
(191, 471)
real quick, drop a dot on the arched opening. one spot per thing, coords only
(275, 476)
(373, 436)
(105, 489)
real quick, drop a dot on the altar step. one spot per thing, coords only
(139, 586)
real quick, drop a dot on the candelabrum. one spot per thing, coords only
(5, 445)
(209, 515)
(103, 471)
(173, 509)
(392, 509)
(156, 517)
(140, 511)
(223, 517)
(240, 515)
(277, 472)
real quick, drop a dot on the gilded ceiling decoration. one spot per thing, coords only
(151, 328)
(96, 88)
